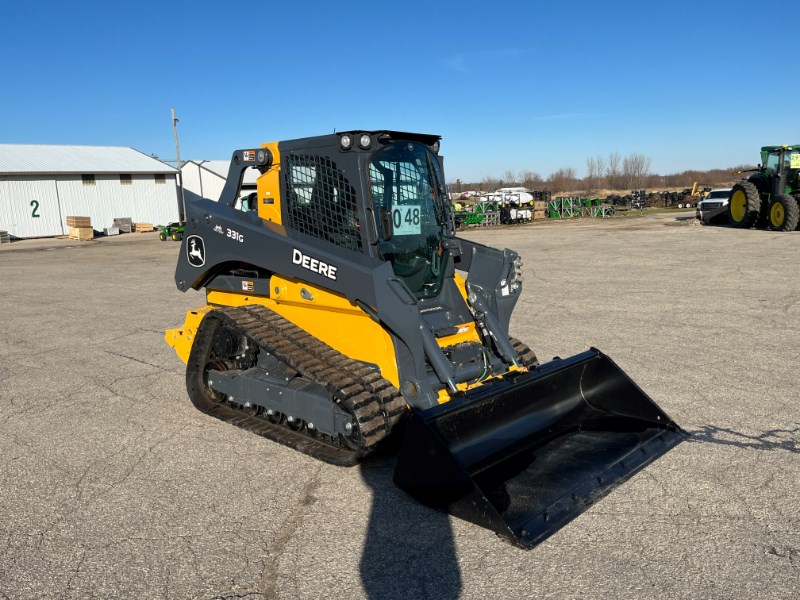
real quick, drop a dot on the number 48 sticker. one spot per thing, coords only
(406, 220)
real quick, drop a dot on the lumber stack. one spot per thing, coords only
(80, 228)
(142, 227)
(84, 234)
(79, 222)
(4, 237)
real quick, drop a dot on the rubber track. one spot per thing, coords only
(360, 390)
(525, 355)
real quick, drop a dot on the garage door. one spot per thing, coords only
(29, 207)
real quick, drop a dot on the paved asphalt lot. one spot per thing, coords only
(113, 485)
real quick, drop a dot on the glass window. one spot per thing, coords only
(408, 196)
(125, 180)
(247, 202)
(160, 178)
(301, 181)
(88, 179)
(772, 161)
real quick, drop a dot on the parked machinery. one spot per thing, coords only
(344, 311)
(770, 196)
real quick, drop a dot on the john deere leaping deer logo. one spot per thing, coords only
(195, 251)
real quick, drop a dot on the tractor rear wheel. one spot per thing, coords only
(744, 205)
(784, 214)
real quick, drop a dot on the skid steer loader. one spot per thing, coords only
(342, 311)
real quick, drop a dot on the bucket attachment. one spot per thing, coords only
(525, 455)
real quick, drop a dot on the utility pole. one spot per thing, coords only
(180, 173)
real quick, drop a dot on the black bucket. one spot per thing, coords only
(525, 455)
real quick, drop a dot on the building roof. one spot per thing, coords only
(220, 168)
(47, 159)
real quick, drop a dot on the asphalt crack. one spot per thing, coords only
(133, 358)
(80, 501)
(269, 576)
(75, 572)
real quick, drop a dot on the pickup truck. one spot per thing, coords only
(714, 207)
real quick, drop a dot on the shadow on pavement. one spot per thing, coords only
(409, 551)
(773, 439)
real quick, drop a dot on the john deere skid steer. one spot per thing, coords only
(343, 312)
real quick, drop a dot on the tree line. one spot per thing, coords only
(612, 172)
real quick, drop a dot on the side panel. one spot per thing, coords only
(143, 200)
(229, 236)
(329, 317)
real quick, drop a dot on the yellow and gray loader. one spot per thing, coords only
(344, 315)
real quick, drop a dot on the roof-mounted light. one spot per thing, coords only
(364, 141)
(435, 147)
(346, 141)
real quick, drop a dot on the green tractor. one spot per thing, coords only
(771, 195)
(173, 231)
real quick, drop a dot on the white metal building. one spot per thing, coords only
(41, 184)
(206, 178)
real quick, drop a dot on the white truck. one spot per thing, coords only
(714, 207)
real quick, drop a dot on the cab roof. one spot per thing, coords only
(776, 148)
(333, 138)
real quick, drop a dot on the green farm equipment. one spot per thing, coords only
(771, 195)
(483, 213)
(173, 231)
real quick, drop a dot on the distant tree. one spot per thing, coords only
(562, 180)
(635, 168)
(490, 184)
(601, 171)
(595, 172)
(609, 175)
(654, 182)
(613, 170)
(590, 181)
(530, 179)
(509, 179)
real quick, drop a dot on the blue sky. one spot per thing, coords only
(509, 85)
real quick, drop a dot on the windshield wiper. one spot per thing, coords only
(437, 192)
